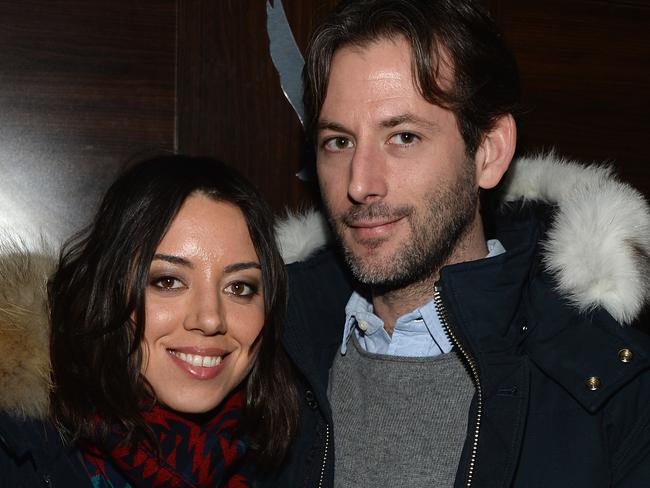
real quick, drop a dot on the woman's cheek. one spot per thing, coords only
(159, 317)
(246, 325)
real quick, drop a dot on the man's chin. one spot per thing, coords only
(373, 261)
(367, 252)
(371, 267)
(386, 267)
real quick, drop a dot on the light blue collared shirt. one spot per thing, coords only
(416, 334)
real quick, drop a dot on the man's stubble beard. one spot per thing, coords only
(437, 229)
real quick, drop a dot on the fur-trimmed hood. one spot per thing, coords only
(24, 331)
(598, 248)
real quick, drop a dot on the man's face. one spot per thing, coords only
(398, 186)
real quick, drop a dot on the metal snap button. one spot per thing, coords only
(593, 383)
(625, 355)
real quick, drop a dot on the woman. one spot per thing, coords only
(165, 341)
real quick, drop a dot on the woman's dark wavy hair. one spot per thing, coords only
(461, 32)
(97, 308)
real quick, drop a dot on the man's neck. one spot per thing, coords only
(391, 305)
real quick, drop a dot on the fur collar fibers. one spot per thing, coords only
(24, 332)
(598, 247)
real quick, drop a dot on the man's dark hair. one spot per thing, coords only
(98, 315)
(461, 33)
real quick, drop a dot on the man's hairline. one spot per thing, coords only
(362, 44)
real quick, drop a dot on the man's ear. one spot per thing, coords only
(495, 153)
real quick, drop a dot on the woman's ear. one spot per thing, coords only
(495, 153)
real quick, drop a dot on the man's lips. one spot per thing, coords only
(367, 224)
(373, 229)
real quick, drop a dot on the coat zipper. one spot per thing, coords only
(327, 443)
(444, 318)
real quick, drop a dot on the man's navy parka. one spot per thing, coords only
(562, 387)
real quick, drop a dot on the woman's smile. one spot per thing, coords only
(202, 367)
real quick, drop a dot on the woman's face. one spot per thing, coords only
(204, 306)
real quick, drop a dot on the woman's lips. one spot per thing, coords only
(202, 364)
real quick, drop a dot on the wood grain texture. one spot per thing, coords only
(230, 102)
(584, 64)
(85, 85)
(585, 68)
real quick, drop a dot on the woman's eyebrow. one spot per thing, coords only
(173, 259)
(231, 268)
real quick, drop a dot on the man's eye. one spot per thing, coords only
(403, 139)
(240, 289)
(167, 283)
(337, 143)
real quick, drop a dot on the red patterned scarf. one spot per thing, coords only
(193, 455)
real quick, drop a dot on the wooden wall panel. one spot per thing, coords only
(230, 103)
(585, 68)
(584, 64)
(85, 85)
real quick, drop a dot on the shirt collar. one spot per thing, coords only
(494, 248)
(360, 312)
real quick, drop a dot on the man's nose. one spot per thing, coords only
(367, 174)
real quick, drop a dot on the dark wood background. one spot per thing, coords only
(84, 86)
(87, 85)
(585, 68)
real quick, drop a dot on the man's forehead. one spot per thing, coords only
(380, 64)
(387, 60)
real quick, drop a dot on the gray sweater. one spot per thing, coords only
(398, 422)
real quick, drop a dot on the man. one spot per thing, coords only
(468, 346)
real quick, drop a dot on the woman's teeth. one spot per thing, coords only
(196, 360)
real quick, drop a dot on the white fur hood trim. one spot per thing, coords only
(300, 235)
(598, 247)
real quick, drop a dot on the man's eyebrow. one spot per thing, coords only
(333, 126)
(173, 259)
(388, 123)
(231, 268)
(406, 118)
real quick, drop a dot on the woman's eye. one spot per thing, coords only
(167, 283)
(403, 139)
(240, 289)
(337, 143)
